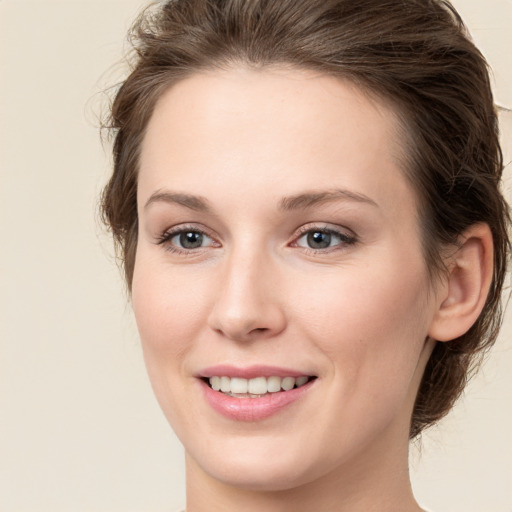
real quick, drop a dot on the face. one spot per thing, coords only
(279, 260)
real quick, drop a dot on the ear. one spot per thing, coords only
(462, 296)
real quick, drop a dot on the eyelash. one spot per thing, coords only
(165, 239)
(345, 239)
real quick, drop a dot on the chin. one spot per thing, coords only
(271, 478)
(259, 468)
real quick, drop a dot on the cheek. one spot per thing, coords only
(371, 329)
(168, 306)
(166, 311)
(369, 323)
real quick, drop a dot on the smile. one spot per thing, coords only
(255, 393)
(257, 387)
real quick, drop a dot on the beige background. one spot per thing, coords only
(79, 427)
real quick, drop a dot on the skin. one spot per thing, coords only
(357, 314)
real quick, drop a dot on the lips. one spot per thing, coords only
(253, 393)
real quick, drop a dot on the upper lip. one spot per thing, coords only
(250, 372)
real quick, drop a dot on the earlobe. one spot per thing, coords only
(463, 294)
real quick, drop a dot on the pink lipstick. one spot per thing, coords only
(253, 393)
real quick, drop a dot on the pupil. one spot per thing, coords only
(191, 240)
(319, 240)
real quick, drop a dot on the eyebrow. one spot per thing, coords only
(196, 203)
(309, 199)
(297, 202)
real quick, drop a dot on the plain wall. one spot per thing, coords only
(79, 427)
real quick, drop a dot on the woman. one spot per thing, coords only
(306, 199)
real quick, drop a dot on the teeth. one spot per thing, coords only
(274, 384)
(238, 385)
(215, 383)
(301, 381)
(225, 384)
(288, 383)
(257, 386)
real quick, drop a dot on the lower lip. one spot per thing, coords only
(253, 409)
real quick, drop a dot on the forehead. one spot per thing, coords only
(292, 129)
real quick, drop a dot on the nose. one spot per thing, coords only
(248, 304)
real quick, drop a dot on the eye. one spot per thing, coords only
(183, 240)
(318, 239)
(190, 239)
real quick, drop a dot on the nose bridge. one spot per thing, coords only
(247, 302)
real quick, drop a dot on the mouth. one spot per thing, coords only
(254, 393)
(257, 387)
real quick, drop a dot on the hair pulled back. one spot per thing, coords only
(415, 54)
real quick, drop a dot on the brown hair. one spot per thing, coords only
(414, 53)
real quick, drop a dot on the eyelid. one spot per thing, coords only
(168, 234)
(325, 227)
(347, 236)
